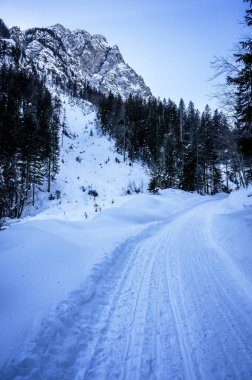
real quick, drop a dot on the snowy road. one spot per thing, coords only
(168, 303)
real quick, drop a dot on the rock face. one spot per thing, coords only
(61, 55)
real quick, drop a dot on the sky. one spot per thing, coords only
(170, 43)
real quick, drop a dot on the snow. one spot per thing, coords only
(150, 287)
(89, 161)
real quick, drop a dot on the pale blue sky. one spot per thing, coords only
(170, 43)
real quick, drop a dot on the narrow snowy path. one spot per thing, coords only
(166, 304)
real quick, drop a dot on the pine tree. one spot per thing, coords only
(29, 139)
(238, 92)
(190, 146)
(4, 31)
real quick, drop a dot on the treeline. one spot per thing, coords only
(183, 148)
(29, 139)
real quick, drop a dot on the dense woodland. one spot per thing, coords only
(29, 139)
(182, 147)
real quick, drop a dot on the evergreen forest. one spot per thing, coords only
(182, 148)
(29, 139)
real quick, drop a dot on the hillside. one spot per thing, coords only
(89, 163)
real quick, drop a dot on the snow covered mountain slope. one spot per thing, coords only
(159, 290)
(93, 176)
(62, 55)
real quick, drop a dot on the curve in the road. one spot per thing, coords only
(164, 305)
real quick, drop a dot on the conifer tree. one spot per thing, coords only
(29, 139)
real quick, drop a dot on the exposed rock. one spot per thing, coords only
(60, 55)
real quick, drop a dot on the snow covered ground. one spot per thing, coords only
(89, 162)
(150, 287)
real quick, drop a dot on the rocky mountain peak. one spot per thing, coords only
(60, 55)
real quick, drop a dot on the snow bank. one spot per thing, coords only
(240, 199)
(232, 228)
(42, 261)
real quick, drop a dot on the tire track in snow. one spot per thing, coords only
(122, 314)
(134, 342)
(156, 308)
(69, 341)
(231, 314)
(218, 336)
(227, 292)
(180, 322)
(161, 351)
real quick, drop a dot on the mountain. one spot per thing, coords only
(92, 175)
(64, 56)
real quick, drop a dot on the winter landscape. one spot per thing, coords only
(125, 221)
